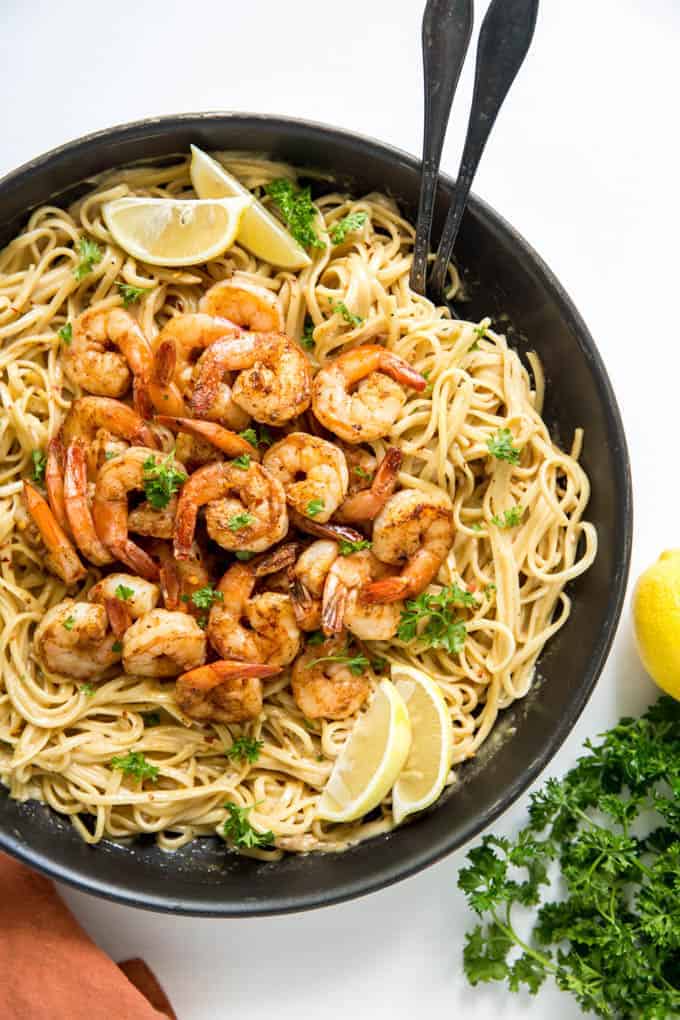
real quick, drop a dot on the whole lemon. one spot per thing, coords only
(656, 612)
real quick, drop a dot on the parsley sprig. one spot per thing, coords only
(130, 294)
(432, 619)
(161, 480)
(347, 547)
(315, 507)
(500, 446)
(297, 209)
(262, 437)
(343, 310)
(240, 521)
(357, 664)
(65, 333)
(135, 764)
(349, 225)
(238, 830)
(90, 255)
(509, 518)
(245, 749)
(204, 598)
(613, 940)
(124, 593)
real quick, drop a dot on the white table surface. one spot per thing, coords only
(584, 161)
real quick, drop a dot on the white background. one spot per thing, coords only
(584, 161)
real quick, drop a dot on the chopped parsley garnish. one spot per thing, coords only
(87, 689)
(204, 598)
(161, 480)
(346, 547)
(151, 718)
(510, 519)
(117, 646)
(500, 446)
(39, 459)
(315, 507)
(351, 223)
(316, 637)
(135, 764)
(245, 749)
(490, 589)
(130, 294)
(343, 310)
(242, 462)
(432, 621)
(124, 593)
(244, 555)
(90, 254)
(239, 521)
(66, 333)
(427, 392)
(363, 473)
(612, 826)
(69, 623)
(297, 209)
(307, 339)
(357, 664)
(110, 454)
(480, 332)
(238, 830)
(477, 526)
(264, 438)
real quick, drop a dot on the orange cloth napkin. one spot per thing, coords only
(51, 970)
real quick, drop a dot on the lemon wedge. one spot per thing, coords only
(370, 761)
(171, 232)
(258, 230)
(424, 774)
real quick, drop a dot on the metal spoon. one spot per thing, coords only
(504, 40)
(447, 27)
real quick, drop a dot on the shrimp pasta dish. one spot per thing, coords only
(240, 493)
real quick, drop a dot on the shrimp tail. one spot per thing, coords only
(387, 589)
(365, 505)
(63, 556)
(334, 532)
(142, 402)
(119, 615)
(333, 606)
(276, 559)
(400, 370)
(136, 559)
(171, 587)
(302, 600)
(223, 439)
(164, 362)
(206, 677)
(210, 375)
(54, 481)
(77, 506)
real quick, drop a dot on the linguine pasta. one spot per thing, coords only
(58, 736)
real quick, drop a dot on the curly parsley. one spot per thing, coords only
(346, 547)
(130, 294)
(261, 438)
(240, 521)
(135, 764)
(124, 593)
(242, 462)
(204, 598)
(39, 459)
(315, 507)
(87, 689)
(238, 830)
(510, 518)
(432, 620)
(297, 209)
(161, 480)
(245, 749)
(349, 225)
(500, 446)
(90, 255)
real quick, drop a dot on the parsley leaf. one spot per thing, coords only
(161, 480)
(90, 255)
(251, 436)
(307, 339)
(244, 555)
(343, 310)
(204, 598)
(297, 209)
(431, 619)
(315, 507)
(117, 646)
(66, 333)
(245, 749)
(39, 459)
(510, 519)
(238, 830)
(346, 547)
(69, 623)
(124, 593)
(362, 473)
(135, 764)
(87, 689)
(239, 521)
(500, 446)
(357, 664)
(242, 462)
(349, 225)
(316, 637)
(130, 294)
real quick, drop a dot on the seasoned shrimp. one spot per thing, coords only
(74, 639)
(365, 505)
(54, 481)
(344, 604)
(91, 417)
(116, 479)
(415, 531)
(90, 362)
(327, 689)
(125, 598)
(309, 577)
(175, 367)
(255, 628)
(273, 382)
(244, 303)
(312, 471)
(372, 410)
(156, 522)
(245, 508)
(225, 692)
(228, 442)
(62, 558)
(77, 505)
(163, 643)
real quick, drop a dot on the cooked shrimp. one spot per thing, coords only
(365, 505)
(244, 303)
(116, 479)
(175, 367)
(73, 639)
(312, 471)
(415, 531)
(324, 688)
(344, 604)
(89, 361)
(179, 579)
(62, 558)
(372, 410)
(226, 692)
(138, 596)
(91, 417)
(163, 643)
(228, 442)
(255, 628)
(54, 481)
(273, 382)
(77, 505)
(156, 522)
(309, 577)
(245, 508)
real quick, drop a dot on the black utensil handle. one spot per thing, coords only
(447, 27)
(504, 40)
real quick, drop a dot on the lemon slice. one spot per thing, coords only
(429, 761)
(258, 230)
(170, 232)
(370, 761)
